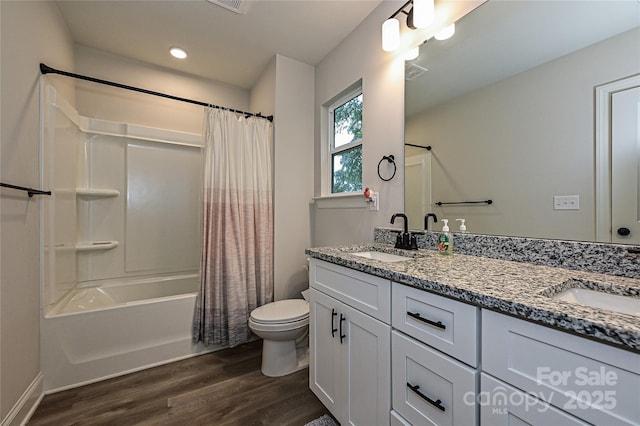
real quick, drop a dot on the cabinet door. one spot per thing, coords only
(365, 353)
(503, 405)
(324, 371)
(350, 367)
(430, 388)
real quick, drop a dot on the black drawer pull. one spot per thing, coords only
(333, 329)
(437, 403)
(342, 336)
(417, 316)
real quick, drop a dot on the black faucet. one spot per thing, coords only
(406, 221)
(426, 220)
(404, 240)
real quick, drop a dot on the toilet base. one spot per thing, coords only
(282, 358)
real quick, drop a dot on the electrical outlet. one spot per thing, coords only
(566, 202)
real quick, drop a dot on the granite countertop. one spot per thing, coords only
(519, 289)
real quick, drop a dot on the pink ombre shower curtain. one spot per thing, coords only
(236, 268)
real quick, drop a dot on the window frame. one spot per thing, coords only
(331, 149)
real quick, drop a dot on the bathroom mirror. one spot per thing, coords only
(508, 105)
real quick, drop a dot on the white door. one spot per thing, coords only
(625, 166)
(417, 189)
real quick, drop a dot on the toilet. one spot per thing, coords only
(284, 328)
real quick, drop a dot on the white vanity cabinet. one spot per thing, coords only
(504, 405)
(431, 336)
(592, 382)
(350, 343)
(384, 353)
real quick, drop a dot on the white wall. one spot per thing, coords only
(523, 140)
(110, 103)
(293, 164)
(360, 56)
(31, 32)
(263, 92)
(285, 90)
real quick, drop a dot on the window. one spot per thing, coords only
(345, 143)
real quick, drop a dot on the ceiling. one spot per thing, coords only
(222, 45)
(502, 38)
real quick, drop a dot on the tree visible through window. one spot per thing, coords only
(346, 149)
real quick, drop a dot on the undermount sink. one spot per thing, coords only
(381, 256)
(598, 299)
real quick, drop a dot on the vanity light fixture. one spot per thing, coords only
(424, 12)
(390, 34)
(446, 32)
(176, 52)
(420, 14)
(412, 54)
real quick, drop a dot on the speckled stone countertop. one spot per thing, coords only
(513, 288)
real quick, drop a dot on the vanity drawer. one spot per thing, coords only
(367, 293)
(445, 324)
(397, 420)
(429, 387)
(503, 405)
(590, 380)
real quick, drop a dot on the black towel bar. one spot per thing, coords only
(441, 203)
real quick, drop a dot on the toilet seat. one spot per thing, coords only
(281, 312)
(277, 326)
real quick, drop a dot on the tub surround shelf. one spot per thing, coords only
(96, 245)
(513, 288)
(97, 193)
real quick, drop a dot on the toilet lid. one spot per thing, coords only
(281, 311)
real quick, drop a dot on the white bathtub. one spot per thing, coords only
(101, 332)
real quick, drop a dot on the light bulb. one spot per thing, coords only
(390, 35)
(412, 54)
(423, 13)
(446, 33)
(176, 52)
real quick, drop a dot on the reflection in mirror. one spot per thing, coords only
(417, 175)
(509, 106)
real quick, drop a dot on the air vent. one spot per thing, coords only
(236, 6)
(412, 71)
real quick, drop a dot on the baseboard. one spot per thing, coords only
(26, 405)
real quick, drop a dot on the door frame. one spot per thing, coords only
(424, 161)
(603, 97)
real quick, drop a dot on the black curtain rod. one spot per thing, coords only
(428, 147)
(45, 69)
(29, 191)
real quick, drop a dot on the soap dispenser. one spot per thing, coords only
(445, 240)
(463, 227)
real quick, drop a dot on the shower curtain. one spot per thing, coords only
(236, 267)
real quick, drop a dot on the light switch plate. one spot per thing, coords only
(566, 202)
(374, 201)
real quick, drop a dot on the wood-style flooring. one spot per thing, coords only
(220, 388)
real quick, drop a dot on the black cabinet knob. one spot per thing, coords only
(624, 231)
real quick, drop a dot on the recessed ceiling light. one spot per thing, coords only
(176, 52)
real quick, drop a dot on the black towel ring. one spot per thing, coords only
(390, 159)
